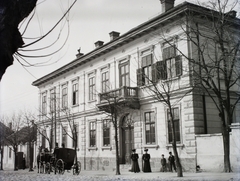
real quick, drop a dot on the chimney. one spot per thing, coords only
(167, 5)
(79, 53)
(114, 35)
(98, 44)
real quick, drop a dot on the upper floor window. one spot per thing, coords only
(92, 87)
(92, 134)
(176, 122)
(105, 81)
(64, 97)
(150, 127)
(145, 73)
(124, 79)
(52, 100)
(106, 132)
(75, 94)
(171, 65)
(44, 104)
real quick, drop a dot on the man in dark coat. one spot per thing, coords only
(146, 162)
(164, 164)
(171, 160)
(135, 166)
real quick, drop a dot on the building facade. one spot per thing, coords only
(123, 70)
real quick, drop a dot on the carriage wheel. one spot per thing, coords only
(41, 168)
(59, 167)
(77, 168)
(47, 168)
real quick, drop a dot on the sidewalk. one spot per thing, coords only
(25, 175)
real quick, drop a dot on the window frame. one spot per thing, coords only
(92, 133)
(108, 128)
(105, 82)
(124, 75)
(64, 97)
(169, 132)
(44, 104)
(91, 88)
(152, 118)
(75, 94)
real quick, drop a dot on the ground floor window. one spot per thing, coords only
(176, 122)
(106, 132)
(150, 127)
(92, 134)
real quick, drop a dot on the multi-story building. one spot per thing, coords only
(123, 68)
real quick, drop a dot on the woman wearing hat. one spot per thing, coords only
(146, 162)
(135, 166)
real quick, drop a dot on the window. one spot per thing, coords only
(149, 127)
(171, 66)
(105, 82)
(106, 132)
(64, 135)
(124, 79)
(147, 69)
(145, 73)
(75, 130)
(75, 94)
(176, 123)
(64, 97)
(44, 104)
(92, 134)
(52, 101)
(92, 86)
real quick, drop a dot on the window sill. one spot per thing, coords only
(178, 145)
(76, 105)
(92, 148)
(106, 148)
(151, 146)
(92, 101)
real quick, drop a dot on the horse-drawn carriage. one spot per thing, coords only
(62, 159)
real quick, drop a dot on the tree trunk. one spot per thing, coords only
(16, 160)
(117, 154)
(1, 166)
(30, 157)
(226, 148)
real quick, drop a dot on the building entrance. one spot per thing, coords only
(127, 142)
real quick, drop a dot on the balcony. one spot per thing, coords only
(124, 96)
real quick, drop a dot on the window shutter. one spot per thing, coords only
(161, 70)
(178, 65)
(154, 73)
(139, 77)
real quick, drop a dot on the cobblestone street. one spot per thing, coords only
(25, 175)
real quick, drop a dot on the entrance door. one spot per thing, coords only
(128, 134)
(127, 140)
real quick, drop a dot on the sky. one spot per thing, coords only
(88, 22)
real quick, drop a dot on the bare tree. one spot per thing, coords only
(215, 61)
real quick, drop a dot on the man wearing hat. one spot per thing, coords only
(164, 164)
(135, 167)
(171, 160)
(146, 162)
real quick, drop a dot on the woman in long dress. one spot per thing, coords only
(146, 162)
(135, 166)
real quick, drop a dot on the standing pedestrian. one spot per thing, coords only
(24, 162)
(135, 166)
(171, 160)
(146, 162)
(164, 164)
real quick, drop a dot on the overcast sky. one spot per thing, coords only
(89, 22)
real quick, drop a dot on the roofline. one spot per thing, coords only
(129, 36)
